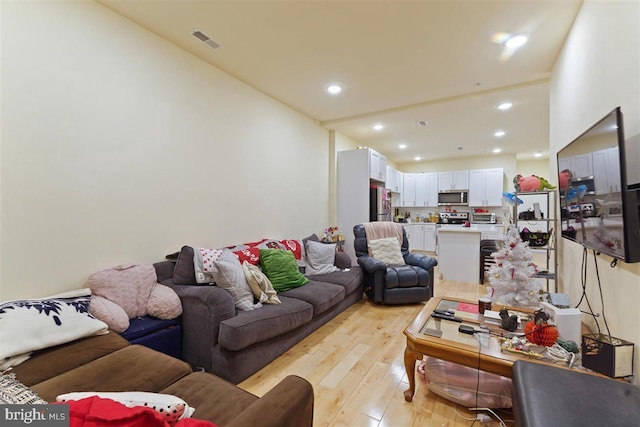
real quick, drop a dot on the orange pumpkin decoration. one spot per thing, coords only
(541, 333)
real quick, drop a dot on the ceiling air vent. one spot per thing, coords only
(205, 38)
(423, 123)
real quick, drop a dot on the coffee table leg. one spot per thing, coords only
(410, 358)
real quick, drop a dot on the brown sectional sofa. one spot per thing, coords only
(235, 344)
(109, 363)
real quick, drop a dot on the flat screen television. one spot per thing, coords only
(598, 209)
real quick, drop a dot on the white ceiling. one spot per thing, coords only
(399, 62)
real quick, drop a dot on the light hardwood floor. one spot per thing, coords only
(355, 363)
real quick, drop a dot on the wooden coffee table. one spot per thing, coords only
(480, 351)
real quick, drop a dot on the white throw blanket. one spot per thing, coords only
(382, 229)
(30, 325)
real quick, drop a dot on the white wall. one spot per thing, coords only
(597, 70)
(538, 167)
(117, 147)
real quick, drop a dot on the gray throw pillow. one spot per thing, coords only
(320, 257)
(229, 275)
(183, 272)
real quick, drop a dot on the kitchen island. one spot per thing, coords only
(459, 253)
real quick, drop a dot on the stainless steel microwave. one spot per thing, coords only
(453, 198)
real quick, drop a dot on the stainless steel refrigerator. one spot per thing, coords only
(379, 204)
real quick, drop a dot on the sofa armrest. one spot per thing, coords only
(371, 265)
(342, 260)
(288, 404)
(203, 309)
(420, 260)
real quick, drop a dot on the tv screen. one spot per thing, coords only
(597, 209)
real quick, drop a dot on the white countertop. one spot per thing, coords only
(460, 229)
(473, 227)
(594, 222)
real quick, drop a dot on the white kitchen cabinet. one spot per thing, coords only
(409, 189)
(421, 237)
(421, 189)
(456, 180)
(486, 187)
(394, 180)
(491, 231)
(415, 236)
(606, 170)
(429, 239)
(431, 198)
(377, 166)
(580, 165)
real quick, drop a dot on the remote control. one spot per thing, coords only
(443, 312)
(445, 317)
(466, 329)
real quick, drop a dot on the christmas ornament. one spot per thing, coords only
(539, 332)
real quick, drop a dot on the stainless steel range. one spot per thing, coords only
(453, 217)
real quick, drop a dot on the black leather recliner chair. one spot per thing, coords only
(397, 284)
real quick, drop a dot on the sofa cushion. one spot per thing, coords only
(131, 368)
(250, 327)
(281, 269)
(184, 273)
(321, 295)
(214, 399)
(48, 363)
(351, 279)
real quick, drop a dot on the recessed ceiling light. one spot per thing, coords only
(516, 40)
(334, 88)
(417, 158)
(505, 106)
(378, 126)
(499, 133)
(537, 154)
(402, 146)
(497, 150)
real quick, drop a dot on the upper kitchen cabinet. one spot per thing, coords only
(394, 180)
(486, 187)
(377, 165)
(580, 166)
(456, 180)
(409, 189)
(606, 170)
(427, 189)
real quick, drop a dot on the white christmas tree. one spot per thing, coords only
(512, 274)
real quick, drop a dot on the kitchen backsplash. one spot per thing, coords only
(427, 212)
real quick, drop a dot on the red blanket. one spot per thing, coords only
(97, 412)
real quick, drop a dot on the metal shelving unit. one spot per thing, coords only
(550, 249)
